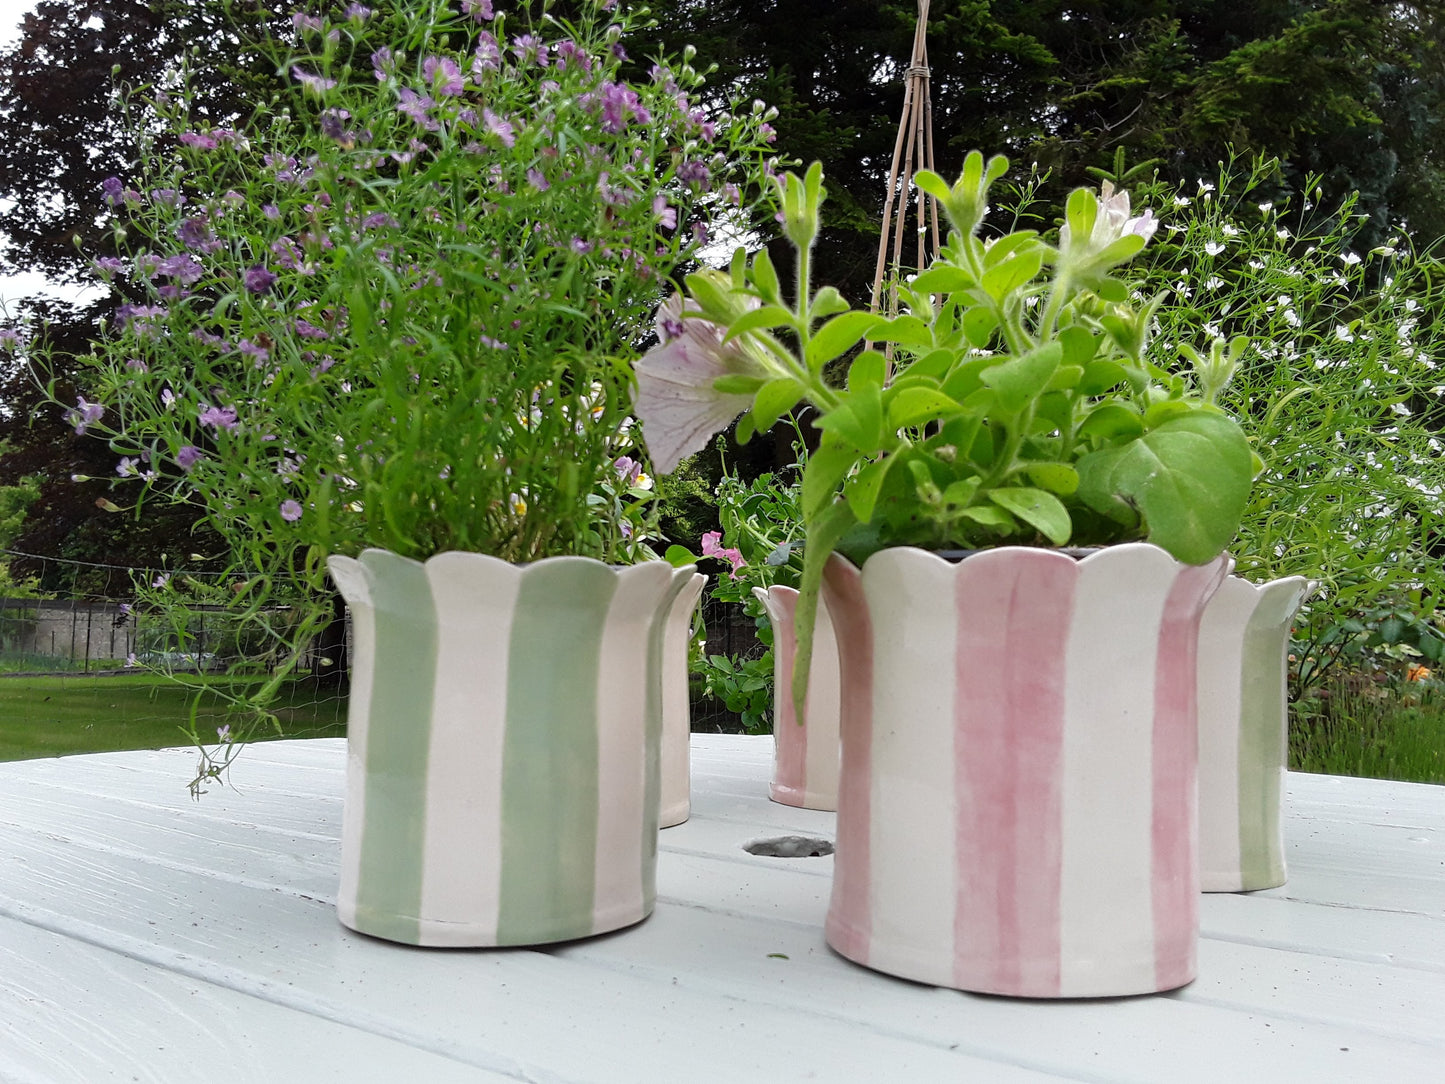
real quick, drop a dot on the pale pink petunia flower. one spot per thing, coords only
(678, 406)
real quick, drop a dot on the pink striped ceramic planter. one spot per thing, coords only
(676, 711)
(805, 761)
(502, 780)
(1244, 732)
(1017, 810)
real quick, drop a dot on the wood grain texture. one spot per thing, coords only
(146, 937)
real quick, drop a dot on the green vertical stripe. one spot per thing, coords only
(657, 660)
(1263, 718)
(549, 757)
(388, 902)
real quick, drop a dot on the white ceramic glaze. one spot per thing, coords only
(503, 766)
(805, 762)
(1244, 732)
(1017, 807)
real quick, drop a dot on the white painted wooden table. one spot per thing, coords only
(144, 937)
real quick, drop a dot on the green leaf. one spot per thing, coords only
(826, 302)
(1008, 276)
(765, 277)
(744, 430)
(988, 515)
(858, 419)
(904, 330)
(1065, 376)
(869, 367)
(738, 384)
(861, 491)
(979, 325)
(837, 336)
(1100, 376)
(825, 529)
(1039, 509)
(1020, 379)
(916, 405)
(944, 278)
(1162, 411)
(1055, 477)
(1080, 345)
(1189, 478)
(769, 316)
(775, 399)
(826, 469)
(934, 364)
(680, 557)
(1111, 420)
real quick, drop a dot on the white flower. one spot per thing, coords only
(1205, 186)
(1182, 201)
(1350, 258)
(1229, 230)
(1291, 318)
(1282, 234)
(1400, 409)
(1266, 207)
(1214, 248)
(1344, 334)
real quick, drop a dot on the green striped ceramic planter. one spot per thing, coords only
(502, 783)
(1243, 732)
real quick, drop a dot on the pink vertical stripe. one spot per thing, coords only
(849, 924)
(790, 773)
(1175, 764)
(1014, 611)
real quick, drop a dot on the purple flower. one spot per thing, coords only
(259, 279)
(219, 417)
(530, 49)
(499, 127)
(628, 469)
(194, 232)
(359, 12)
(480, 10)
(161, 580)
(199, 140)
(619, 103)
(187, 456)
(113, 190)
(271, 211)
(250, 349)
(302, 21)
(181, 268)
(416, 107)
(137, 365)
(333, 124)
(85, 414)
(308, 330)
(678, 405)
(569, 53)
(290, 511)
(317, 84)
(488, 56)
(694, 172)
(443, 76)
(712, 547)
(10, 338)
(537, 179)
(382, 63)
(167, 197)
(665, 214)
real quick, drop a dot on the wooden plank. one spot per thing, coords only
(77, 1013)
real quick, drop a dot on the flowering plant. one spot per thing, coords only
(1023, 401)
(395, 312)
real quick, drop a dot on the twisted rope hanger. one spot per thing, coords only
(912, 151)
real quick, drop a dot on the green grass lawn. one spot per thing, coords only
(55, 716)
(1376, 738)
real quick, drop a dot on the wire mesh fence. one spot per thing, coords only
(85, 669)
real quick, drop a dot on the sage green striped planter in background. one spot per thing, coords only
(503, 760)
(1243, 732)
(676, 711)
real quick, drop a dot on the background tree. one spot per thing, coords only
(64, 136)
